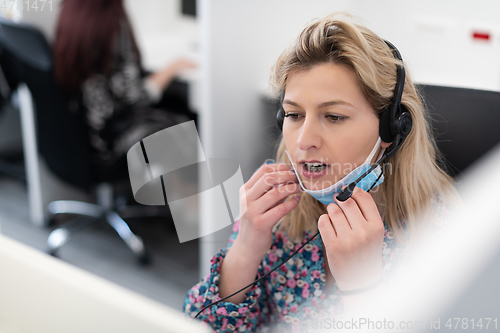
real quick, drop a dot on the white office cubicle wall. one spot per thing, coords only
(240, 41)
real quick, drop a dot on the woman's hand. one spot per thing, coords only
(163, 77)
(264, 197)
(182, 65)
(353, 234)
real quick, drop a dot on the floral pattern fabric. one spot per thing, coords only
(293, 294)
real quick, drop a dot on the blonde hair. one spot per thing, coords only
(416, 176)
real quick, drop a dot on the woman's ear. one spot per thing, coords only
(385, 144)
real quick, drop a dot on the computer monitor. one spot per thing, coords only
(42, 294)
(188, 8)
(465, 123)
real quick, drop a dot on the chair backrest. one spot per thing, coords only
(26, 57)
(465, 123)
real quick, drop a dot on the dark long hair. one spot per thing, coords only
(86, 35)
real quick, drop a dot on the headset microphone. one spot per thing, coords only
(347, 191)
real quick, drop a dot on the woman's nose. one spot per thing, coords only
(310, 135)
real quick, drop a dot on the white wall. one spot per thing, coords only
(44, 17)
(162, 32)
(241, 39)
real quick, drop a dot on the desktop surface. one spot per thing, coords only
(40, 293)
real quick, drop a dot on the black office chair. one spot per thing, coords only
(11, 162)
(63, 140)
(465, 122)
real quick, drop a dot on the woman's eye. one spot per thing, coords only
(293, 116)
(335, 118)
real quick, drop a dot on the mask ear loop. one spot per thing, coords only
(381, 173)
(374, 150)
(303, 188)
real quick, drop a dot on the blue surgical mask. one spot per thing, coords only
(325, 196)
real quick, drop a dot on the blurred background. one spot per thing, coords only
(226, 49)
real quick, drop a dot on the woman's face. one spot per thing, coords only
(329, 121)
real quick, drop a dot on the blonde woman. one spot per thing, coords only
(334, 82)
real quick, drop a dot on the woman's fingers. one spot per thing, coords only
(269, 181)
(267, 188)
(339, 220)
(265, 168)
(366, 204)
(352, 211)
(276, 213)
(326, 228)
(275, 196)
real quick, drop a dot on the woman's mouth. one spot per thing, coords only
(313, 169)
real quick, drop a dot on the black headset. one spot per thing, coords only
(395, 123)
(395, 120)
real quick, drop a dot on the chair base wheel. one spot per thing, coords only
(49, 220)
(144, 259)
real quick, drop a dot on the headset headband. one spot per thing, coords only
(389, 117)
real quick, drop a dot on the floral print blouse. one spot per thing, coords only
(294, 293)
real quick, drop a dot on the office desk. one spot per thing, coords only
(160, 50)
(42, 294)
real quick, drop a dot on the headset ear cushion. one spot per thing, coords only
(280, 118)
(280, 115)
(385, 125)
(404, 122)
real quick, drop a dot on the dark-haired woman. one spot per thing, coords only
(98, 65)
